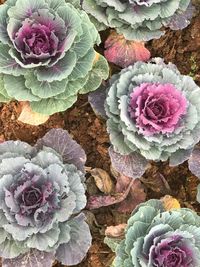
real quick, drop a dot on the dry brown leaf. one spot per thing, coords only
(170, 203)
(30, 117)
(103, 180)
(116, 231)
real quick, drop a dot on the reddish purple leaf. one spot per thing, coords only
(32, 258)
(135, 196)
(194, 162)
(123, 52)
(97, 99)
(69, 149)
(132, 165)
(95, 202)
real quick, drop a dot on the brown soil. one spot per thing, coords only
(180, 47)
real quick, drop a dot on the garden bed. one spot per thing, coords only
(180, 47)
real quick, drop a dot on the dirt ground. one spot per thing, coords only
(180, 47)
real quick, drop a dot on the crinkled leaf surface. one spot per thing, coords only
(194, 162)
(181, 21)
(112, 243)
(98, 73)
(33, 258)
(123, 52)
(75, 250)
(179, 157)
(132, 165)
(61, 141)
(97, 99)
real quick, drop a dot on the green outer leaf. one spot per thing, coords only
(4, 38)
(44, 89)
(51, 105)
(15, 87)
(112, 243)
(99, 72)
(72, 88)
(61, 70)
(19, 11)
(84, 43)
(8, 65)
(101, 67)
(4, 97)
(12, 249)
(83, 65)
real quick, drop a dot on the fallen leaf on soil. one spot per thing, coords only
(123, 52)
(135, 196)
(116, 231)
(103, 180)
(159, 180)
(170, 203)
(30, 117)
(95, 202)
(128, 194)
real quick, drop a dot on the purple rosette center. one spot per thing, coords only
(171, 252)
(39, 38)
(32, 199)
(157, 108)
(36, 40)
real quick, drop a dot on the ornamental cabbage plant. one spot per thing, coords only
(47, 55)
(154, 111)
(139, 19)
(42, 192)
(160, 238)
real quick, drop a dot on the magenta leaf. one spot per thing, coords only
(32, 258)
(123, 52)
(97, 99)
(194, 162)
(61, 142)
(132, 165)
(135, 196)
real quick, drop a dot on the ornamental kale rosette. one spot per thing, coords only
(154, 110)
(139, 19)
(41, 193)
(47, 55)
(159, 238)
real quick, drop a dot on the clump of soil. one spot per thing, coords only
(180, 47)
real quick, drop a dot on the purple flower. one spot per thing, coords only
(157, 108)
